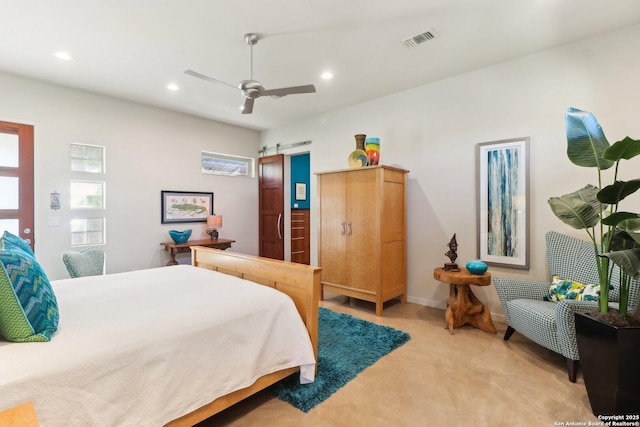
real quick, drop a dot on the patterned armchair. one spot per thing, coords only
(552, 324)
(86, 262)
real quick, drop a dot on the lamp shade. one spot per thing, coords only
(214, 221)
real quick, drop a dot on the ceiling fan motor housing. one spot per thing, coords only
(250, 88)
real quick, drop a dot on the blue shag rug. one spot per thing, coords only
(346, 346)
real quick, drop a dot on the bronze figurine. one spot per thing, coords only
(452, 254)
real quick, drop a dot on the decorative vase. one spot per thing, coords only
(372, 148)
(180, 236)
(360, 141)
(476, 267)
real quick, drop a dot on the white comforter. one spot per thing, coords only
(145, 347)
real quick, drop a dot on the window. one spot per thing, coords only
(87, 194)
(87, 158)
(87, 231)
(226, 164)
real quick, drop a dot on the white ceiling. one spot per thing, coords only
(133, 48)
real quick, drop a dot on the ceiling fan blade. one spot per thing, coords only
(207, 78)
(248, 106)
(289, 90)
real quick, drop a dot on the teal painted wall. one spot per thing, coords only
(300, 172)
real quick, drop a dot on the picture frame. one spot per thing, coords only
(185, 206)
(503, 202)
(301, 191)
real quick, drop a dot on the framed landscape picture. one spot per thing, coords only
(185, 206)
(503, 202)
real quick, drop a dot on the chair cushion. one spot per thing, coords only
(565, 289)
(87, 262)
(29, 307)
(536, 320)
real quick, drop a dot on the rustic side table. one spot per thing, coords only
(463, 306)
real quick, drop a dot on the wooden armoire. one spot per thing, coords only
(363, 233)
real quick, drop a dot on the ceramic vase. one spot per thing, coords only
(476, 267)
(372, 148)
(360, 141)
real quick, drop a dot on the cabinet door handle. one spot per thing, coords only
(342, 228)
(279, 234)
(348, 228)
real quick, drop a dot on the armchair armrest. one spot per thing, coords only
(509, 288)
(566, 323)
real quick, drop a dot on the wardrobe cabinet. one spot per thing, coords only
(363, 233)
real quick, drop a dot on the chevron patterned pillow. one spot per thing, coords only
(11, 241)
(29, 309)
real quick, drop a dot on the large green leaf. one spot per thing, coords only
(617, 191)
(628, 260)
(580, 209)
(624, 149)
(635, 237)
(623, 240)
(625, 220)
(630, 224)
(586, 142)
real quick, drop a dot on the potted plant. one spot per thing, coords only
(616, 242)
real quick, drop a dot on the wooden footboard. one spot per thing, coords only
(301, 282)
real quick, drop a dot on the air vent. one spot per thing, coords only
(414, 41)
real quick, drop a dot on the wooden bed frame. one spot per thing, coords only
(301, 282)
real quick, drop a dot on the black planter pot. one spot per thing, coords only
(609, 358)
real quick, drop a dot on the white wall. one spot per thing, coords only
(433, 131)
(147, 150)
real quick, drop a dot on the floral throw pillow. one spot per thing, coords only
(564, 289)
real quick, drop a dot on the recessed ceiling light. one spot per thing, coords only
(172, 86)
(241, 107)
(327, 75)
(64, 55)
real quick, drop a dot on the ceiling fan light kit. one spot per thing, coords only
(253, 89)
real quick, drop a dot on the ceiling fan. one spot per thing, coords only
(252, 89)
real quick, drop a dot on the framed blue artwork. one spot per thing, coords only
(503, 202)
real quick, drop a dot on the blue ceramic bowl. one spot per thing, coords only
(476, 266)
(180, 236)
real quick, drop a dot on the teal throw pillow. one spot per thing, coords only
(11, 241)
(28, 306)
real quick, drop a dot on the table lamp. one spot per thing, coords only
(213, 222)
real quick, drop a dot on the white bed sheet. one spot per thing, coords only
(145, 347)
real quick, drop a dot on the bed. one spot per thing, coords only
(170, 345)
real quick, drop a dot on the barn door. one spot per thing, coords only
(271, 206)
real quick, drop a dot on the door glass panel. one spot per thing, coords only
(10, 192)
(8, 150)
(10, 225)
